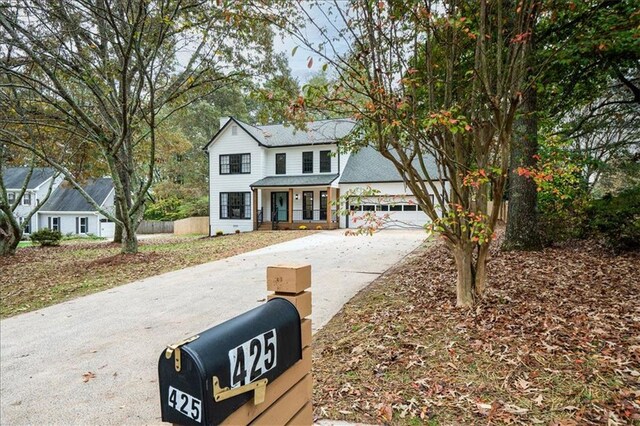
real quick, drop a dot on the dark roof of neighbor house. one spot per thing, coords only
(14, 177)
(368, 165)
(280, 135)
(67, 198)
(305, 180)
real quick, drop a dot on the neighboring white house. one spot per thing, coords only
(261, 176)
(70, 213)
(41, 179)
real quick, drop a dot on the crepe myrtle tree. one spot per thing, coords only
(115, 71)
(439, 79)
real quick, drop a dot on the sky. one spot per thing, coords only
(298, 62)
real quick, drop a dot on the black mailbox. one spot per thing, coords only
(205, 378)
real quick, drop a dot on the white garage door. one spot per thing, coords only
(392, 216)
(107, 229)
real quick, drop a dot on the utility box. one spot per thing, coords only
(205, 378)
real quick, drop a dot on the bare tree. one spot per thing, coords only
(113, 72)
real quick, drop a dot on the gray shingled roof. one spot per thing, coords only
(14, 177)
(67, 198)
(305, 180)
(368, 165)
(316, 133)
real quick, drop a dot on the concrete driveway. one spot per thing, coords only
(119, 334)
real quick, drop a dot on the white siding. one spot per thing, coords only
(68, 222)
(294, 159)
(227, 143)
(108, 203)
(37, 194)
(344, 157)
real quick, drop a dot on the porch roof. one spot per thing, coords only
(291, 181)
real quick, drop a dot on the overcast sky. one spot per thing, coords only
(298, 62)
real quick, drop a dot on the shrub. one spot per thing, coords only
(46, 237)
(319, 228)
(237, 231)
(174, 208)
(617, 219)
(302, 227)
(219, 233)
(562, 195)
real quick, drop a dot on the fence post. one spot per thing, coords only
(288, 398)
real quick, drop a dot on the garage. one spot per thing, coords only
(372, 186)
(390, 214)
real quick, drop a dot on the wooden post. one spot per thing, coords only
(288, 398)
(290, 207)
(329, 207)
(338, 206)
(255, 209)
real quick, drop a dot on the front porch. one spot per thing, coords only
(289, 208)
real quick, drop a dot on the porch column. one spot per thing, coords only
(255, 209)
(290, 205)
(329, 205)
(338, 206)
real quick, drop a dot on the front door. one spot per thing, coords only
(307, 205)
(323, 205)
(280, 206)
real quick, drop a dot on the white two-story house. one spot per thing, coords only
(277, 177)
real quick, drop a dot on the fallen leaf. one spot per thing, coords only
(385, 412)
(88, 376)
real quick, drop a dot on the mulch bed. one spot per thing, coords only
(555, 341)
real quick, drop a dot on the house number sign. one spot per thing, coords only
(253, 358)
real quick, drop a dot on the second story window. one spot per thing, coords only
(325, 161)
(26, 200)
(307, 162)
(235, 164)
(11, 197)
(281, 164)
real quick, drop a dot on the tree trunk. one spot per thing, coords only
(129, 242)
(10, 237)
(466, 285)
(129, 227)
(481, 269)
(522, 218)
(117, 233)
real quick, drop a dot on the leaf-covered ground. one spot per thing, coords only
(36, 277)
(557, 341)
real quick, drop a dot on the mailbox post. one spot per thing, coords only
(253, 369)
